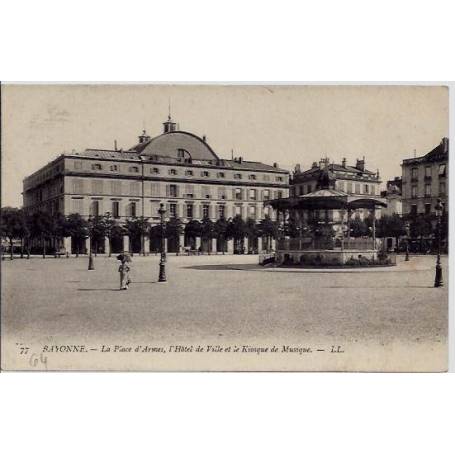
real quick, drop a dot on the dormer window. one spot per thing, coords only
(188, 172)
(134, 169)
(238, 176)
(172, 171)
(154, 170)
(279, 179)
(96, 167)
(252, 177)
(114, 167)
(205, 174)
(221, 175)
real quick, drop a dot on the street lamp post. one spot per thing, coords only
(162, 275)
(438, 275)
(91, 265)
(408, 233)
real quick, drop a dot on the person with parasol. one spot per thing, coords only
(124, 271)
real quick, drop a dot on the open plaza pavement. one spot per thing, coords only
(376, 319)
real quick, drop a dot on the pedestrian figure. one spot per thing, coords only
(124, 271)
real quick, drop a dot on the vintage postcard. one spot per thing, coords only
(224, 227)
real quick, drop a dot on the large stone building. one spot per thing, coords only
(176, 168)
(424, 180)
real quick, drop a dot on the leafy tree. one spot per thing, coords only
(358, 228)
(12, 225)
(58, 229)
(138, 228)
(420, 228)
(221, 232)
(112, 229)
(252, 231)
(207, 232)
(193, 229)
(41, 228)
(292, 228)
(268, 229)
(77, 229)
(173, 230)
(237, 230)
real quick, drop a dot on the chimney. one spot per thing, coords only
(360, 164)
(314, 165)
(115, 145)
(275, 165)
(297, 168)
(445, 144)
(240, 159)
(204, 138)
(343, 163)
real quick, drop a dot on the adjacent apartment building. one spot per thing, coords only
(425, 179)
(176, 168)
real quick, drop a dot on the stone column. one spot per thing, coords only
(198, 243)
(260, 248)
(230, 246)
(67, 244)
(246, 244)
(182, 242)
(214, 246)
(146, 245)
(273, 244)
(107, 245)
(126, 244)
(87, 245)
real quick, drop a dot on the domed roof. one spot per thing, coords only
(169, 144)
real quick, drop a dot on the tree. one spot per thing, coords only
(252, 232)
(221, 232)
(207, 231)
(237, 230)
(111, 231)
(420, 228)
(138, 228)
(173, 230)
(58, 229)
(193, 229)
(41, 228)
(77, 229)
(12, 225)
(268, 229)
(96, 231)
(291, 227)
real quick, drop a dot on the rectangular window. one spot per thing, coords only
(414, 192)
(442, 188)
(96, 167)
(134, 188)
(115, 209)
(427, 209)
(155, 207)
(78, 165)
(133, 209)
(252, 212)
(114, 167)
(238, 210)
(188, 172)
(366, 189)
(77, 206)
(427, 190)
(414, 173)
(349, 188)
(279, 194)
(172, 171)
(155, 189)
(427, 171)
(357, 188)
(205, 211)
(78, 186)
(238, 176)
(266, 195)
(252, 194)
(414, 209)
(134, 169)
(205, 174)
(221, 175)
(221, 193)
(238, 194)
(97, 186)
(252, 177)
(95, 208)
(154, 170)
(189, 191)
(116, 187)
(442, 170)
(189, 210)
(279, 179)
(172, 210)
(206, 193)
(172, 190)
(221, 211)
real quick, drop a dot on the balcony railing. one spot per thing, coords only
(306, 243)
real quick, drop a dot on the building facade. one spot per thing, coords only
(176, 168)
(393, 196)
(425, 179)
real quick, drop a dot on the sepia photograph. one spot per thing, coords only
(224, 227)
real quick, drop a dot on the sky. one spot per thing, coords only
(284, 124)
